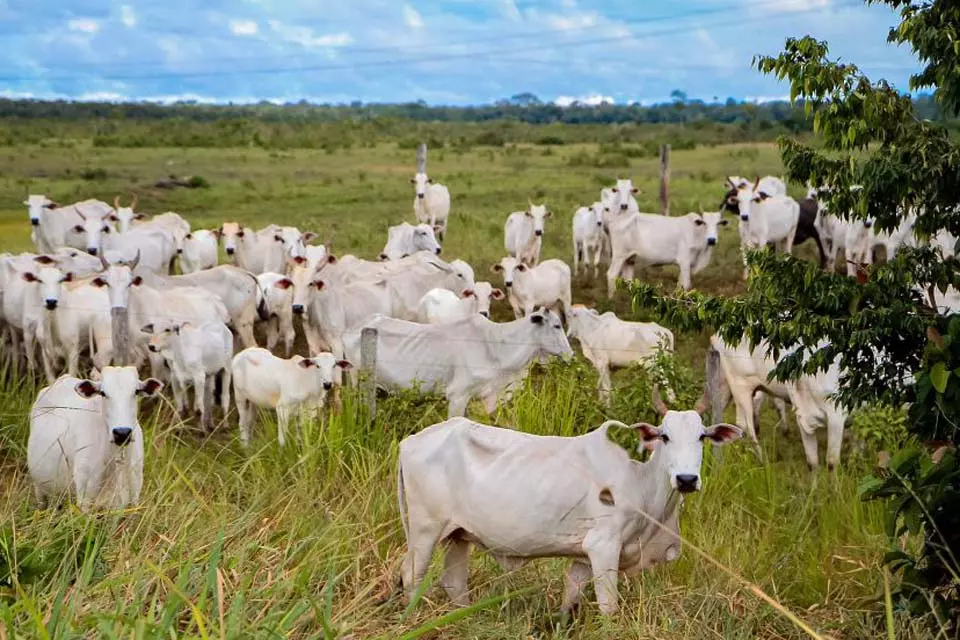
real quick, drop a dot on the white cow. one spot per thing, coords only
(85, 439)
(196, 355)
(264, 380)
(62, 226)
(462, 359)
(198, 250)
(32, 286)
(37, 206)
(523, 233)
(654, 240)
(764, 218)
(611, 343)
(275, 307)
(80, 263)
(156, 246)
(407, 287)
(547, 284)
(80, 319)
(406, 239)
(266, 250)
(588, 237)
(620, 198)
(439, 306)
(854, 237)
(521, 496)
(431, 203)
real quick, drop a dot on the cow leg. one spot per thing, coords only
(457, 404)
(30, 350)
(273, 333)
(816, 238)
(809, 438)
(604, 384)
(456, 569)
(245, 413)
(835, 424)
(490, 402)
(576, 579)
(781, 407)
(685, 275)
(203, 398)
(420, 545)
(577, 256)
(283, 420)
(225, 383)
(603, 550)
(48, 353)
(743, 398)
(245, 331)
(616, 265)
(312, 335)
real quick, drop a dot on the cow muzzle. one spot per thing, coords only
(711, 241)
(35, 222)
(867, 224)
(153, 348)
(623, 207)
(508, 284)
(743, 217)
(538, 232)
(327, 386)
(92, 251)
(298, 309)
(485, 314)
(439, 249)
(179, 252)
(50, 304)
(421, 195)
(230, 251)
(687, 483)
(121, 435)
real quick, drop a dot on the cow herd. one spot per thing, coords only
(432, 331)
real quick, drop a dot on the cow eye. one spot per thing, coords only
(665, 438)
(699, 223)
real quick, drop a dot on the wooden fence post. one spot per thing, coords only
(368, 369)
(665, 179)
(421, 158)
(713, 388)
(120, 326)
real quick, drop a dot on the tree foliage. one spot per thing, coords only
(890, 342)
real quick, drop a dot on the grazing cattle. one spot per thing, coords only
(439, 306)
(264, 380)
(275, 307)
(523, 233)
(766, 218)
(37, 205)
(85, 439)
(406, 239)
(236, 289)
(588, 236)
(521, 496)
(198, 251)
(611, 343)
(65, 226)
(462, 359)
(547, 284)
(196, 355)
(431, 203)
(654, 240)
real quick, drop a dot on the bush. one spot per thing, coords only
(97, 174)
(551, 141)
(490, 139)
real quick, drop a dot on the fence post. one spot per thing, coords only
(712, 387)
(665, 179)
(119, 324)
(368, 369)
(421, 158)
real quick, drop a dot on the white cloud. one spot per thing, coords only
(304, 36)
(244, 27)
(102, 96)
(568, 4)
(592, 100)
(508, 9)
(762, 99)
(86, 25)
(572, 21)
(411, 18)
(128, 17)
(797, 5)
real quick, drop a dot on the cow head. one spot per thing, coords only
(748, 196)
(118, 278)
(324, 368)
(231, 233)
(94, 226)
(35, 206)
(706, 226)
(484, 292)
(596, 213)
(538, 213)
(124, 216)
(548, 334)
(678, 442)
(119, 387)
(420, 182)
(425, 239)
(302, 274)
(48, 276)
(162, 333)
(620, 200)
(511, 268)
(579, 318)
(292, 241)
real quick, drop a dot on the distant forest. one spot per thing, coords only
(522, 118)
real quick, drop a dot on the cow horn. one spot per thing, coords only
(133, 202)
(658, 404)
(116, 202)
(702, 404)
(79, 213)
(756, 185)
(103, 261)
(135, 261)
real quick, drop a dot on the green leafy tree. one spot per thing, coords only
(883, 327)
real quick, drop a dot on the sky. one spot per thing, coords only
(453, 52)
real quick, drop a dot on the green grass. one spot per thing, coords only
(302, 542)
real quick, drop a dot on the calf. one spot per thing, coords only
(264, 380)
(654, 240)
(431, 203)
(275, 307)
(462, 359)
(439, 306)
(196, 355)
(406, 239)
(198, 251)
(611, 343)
(523, 233)
(588, 236)
(85, 439)
(521, 496)
(547, 284)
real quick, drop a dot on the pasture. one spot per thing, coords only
(302, 542)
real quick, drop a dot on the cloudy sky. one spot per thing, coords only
(440, 51)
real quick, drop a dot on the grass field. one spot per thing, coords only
(302, 542)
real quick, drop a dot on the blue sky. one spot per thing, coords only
(440, 51)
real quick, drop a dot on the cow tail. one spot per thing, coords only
(401, 501)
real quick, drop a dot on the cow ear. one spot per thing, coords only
(147, 328)
(496, 294)
(383, 256)
(150, 387)
(331, 259)
(634, 190)
(521, 267)
(98, 282)
(548, 214)
(44, 260)
(29, 277)
(137, 281)
(722, 433)
(319, 284)
(67, 277)
(189, 236)
(306, 363)
(732, 200)
(88, 389)
(649, 434)
(307, 236)
(536, 318)
(139, 216)
(413, 181)
(344, 364)
(497, 268)
(724, 222)
(284, 283)
(467, 293)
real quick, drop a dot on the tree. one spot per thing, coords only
(886, 328)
